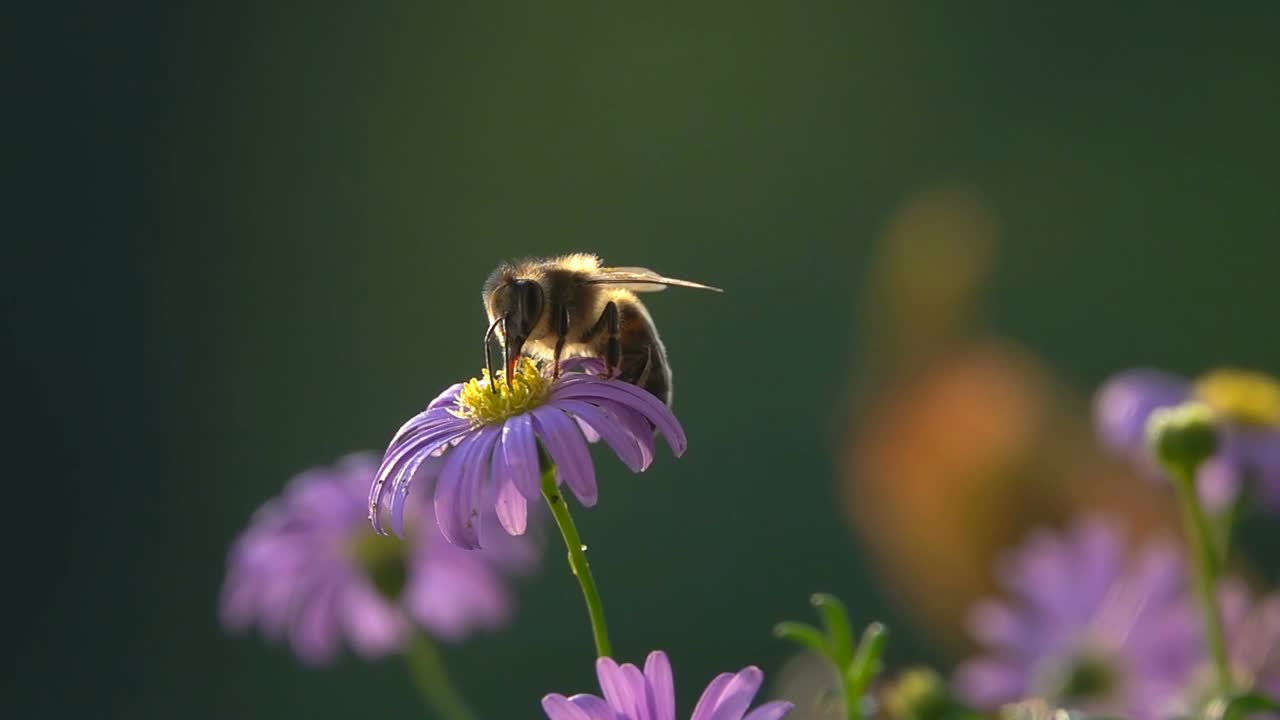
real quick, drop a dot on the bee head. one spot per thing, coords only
(516, 306)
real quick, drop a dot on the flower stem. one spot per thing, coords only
(426, 667)
(1206, 566)
(577, 560)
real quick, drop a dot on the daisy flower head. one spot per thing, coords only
(1087, 625)
(633, 694)
(310, 571)
(1246, 405)
(479, 444)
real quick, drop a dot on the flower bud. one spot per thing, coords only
(1183, 436)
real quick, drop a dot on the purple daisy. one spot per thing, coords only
(630, 694)
(1088, 626)
(1253, 646)
(485, 444)
(309, 569)
(1247, 405)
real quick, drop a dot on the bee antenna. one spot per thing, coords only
(488, 354)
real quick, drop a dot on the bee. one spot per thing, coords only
(570, 306)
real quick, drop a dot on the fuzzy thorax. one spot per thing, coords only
(485, 402)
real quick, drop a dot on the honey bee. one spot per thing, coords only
(570, 306)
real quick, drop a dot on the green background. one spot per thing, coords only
(242, 239)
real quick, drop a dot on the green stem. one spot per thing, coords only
(426, 667)
(577, 560)
(1206, 566)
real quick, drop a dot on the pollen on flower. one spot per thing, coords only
(1243, 396)
(478, 402)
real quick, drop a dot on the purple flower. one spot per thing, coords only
(1086, 626)
(1253, 636)
(630, 694)
(486, 445)
(1253, 650)
(309, 569)
(1246, 403)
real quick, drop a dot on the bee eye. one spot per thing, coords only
(529, 301)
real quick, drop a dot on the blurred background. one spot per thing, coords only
(242, 239)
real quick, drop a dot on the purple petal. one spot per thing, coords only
(595, 707)
(456, 592)
(771, 711)
(373, 627)
(460, 487)
(988, 683)
(1258, 454)
(1124, 403)
(314, 631)
(558, 707)
(711, 696)
(520, 452)
(1218, 482)
(617, 690)
(633, 422)
(623, 443)
(640, 400)
(639, 691)
(662, 689)
(425, 466)
(446, 398)
(738, 694)
(396, 466)
(568, 449)
(511, 506)
(995, 624)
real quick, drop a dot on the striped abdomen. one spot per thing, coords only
(644, 358)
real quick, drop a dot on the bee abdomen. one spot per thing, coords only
(644, 358)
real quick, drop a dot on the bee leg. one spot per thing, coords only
(488, 355)
(609, 324)
(560, 325)
(643, 380)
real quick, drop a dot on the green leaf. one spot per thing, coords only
(804, 634)
(839, 631)
(866, 661)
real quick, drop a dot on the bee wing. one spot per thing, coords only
(638, 279)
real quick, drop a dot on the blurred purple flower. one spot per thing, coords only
(630, 694)
(1087, 626)
(309, 569)
(1247, 403)
(1253, 628)
(487, 445)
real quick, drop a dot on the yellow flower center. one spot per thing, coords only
(1245, 396)
(479, 403)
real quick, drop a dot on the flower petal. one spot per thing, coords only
(638, 399)
(711, 696)
(639, 692)
(595, 707)
(738, 694)
(616, 688)
(520, 452)
(314, 630)
(771, 711)
(513, 509)
(460, 487)
(1124, 403)
(662, 689)
(374, 628)
(568, 449)
(623, 443)
(558, 707)
(400, 466)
